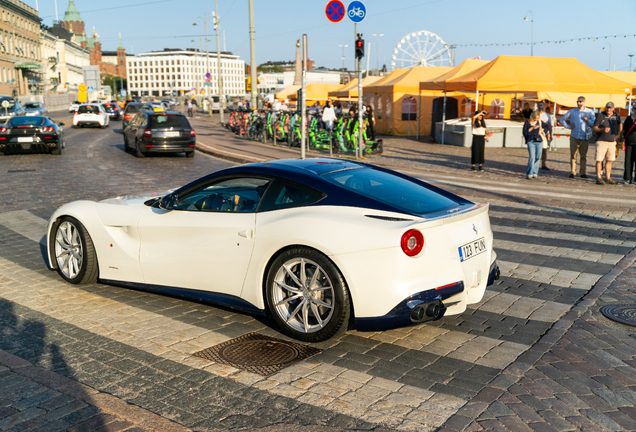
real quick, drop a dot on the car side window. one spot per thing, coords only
(287, 194)
(238, 195)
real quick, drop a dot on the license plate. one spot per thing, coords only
(172, 134)
(472, 249)
(26, 146)
(25, 139)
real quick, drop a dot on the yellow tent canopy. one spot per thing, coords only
(287, 92)
(350, 90)
(537, 74)
(466, 66)
(409, 82)
(390, 77)
(592, 100)
(628, 77)
(317, 92)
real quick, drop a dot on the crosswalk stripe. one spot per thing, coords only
(556, 251)
(561, 236)
(552, 276)
(554, 219)
(25, 223)
(521, 307)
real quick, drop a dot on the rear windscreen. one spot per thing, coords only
(31, 105)
(390, 189)
(169, 121)
(88, 109)
(136, 108)
(26, 121)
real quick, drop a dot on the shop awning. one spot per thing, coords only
(27, 66)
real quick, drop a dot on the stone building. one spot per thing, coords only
(20, 56)
(64, 58)
(109, 62)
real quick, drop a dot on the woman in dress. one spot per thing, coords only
(479, 140)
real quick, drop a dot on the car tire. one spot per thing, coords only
(313, 314)
(57, 151)
(189, 154)
(138, 152)
(126, 146)
(73, 252)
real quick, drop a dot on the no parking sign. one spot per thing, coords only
(335, 11)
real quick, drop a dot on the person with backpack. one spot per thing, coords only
(629, 127)
(607, 129)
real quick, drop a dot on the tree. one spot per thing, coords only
(115, 83)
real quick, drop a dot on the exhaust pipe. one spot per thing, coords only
(427, 312)
(497, 274)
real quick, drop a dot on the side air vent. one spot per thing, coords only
(386, 218)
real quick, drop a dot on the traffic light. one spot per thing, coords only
(359, 47)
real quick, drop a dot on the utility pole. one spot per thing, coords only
(254, 89)
(630, 62)
(303, 98)
(217, 23)
(359, 50)
(377, 40)
(343, 55)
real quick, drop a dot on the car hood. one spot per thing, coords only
(136, 199)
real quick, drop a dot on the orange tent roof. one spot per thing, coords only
(628, 77)
(534, 74)
(409, 82)
(287, 92)
(390, 77)
(317, 91)
(351, 89)
(466, 66)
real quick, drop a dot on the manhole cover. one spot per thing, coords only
(624, 314)
(258, 353)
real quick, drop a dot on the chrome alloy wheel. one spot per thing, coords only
(68, 249)
(303, 295)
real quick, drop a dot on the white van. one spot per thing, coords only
(215, 103)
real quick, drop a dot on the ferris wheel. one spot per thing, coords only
(421, 48)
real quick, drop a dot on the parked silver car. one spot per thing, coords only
(14, 108)
(35, 109)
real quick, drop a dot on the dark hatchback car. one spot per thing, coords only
(31, 134)
(131, 109)
(151, 131)
(113, 110)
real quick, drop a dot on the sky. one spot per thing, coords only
(151, 25)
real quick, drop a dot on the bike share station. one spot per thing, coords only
(348, 135)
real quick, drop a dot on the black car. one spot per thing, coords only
(113, 110)
(151, 131)
(31, 134)
(131, 109)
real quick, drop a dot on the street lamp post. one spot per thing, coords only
(609, 63)
(630, 62)
(377, 40)
(531, 31)
(207, 54)
(343, 55)
(217, 27)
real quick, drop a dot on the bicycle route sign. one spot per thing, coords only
(356, 11)
(335, 11)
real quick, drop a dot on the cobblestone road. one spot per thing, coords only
(101, 356)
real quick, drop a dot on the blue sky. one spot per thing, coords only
(148, 25)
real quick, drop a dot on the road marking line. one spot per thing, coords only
(555, 220)
(231, 153)
(561, 236)
(555, 251)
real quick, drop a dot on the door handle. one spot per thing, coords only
(246, 233)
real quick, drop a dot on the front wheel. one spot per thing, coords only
(75, 255)
(307, 295)
(138, 151)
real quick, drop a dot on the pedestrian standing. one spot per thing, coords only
(578, 119)
(328, 116)
(607, 128)
(629, 127)
(477, 148)
(534, 131)
(371, 123)
(545, 117)
(527, 111)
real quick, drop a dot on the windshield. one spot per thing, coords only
(32, 105)
(136, 108)
(26, 121)
(166, 121)
(395, 191)
(88, 109)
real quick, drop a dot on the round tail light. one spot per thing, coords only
(412, 242)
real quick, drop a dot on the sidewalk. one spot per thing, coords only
(581, 375)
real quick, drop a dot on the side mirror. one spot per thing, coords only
(61, 124)
(169, 202)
